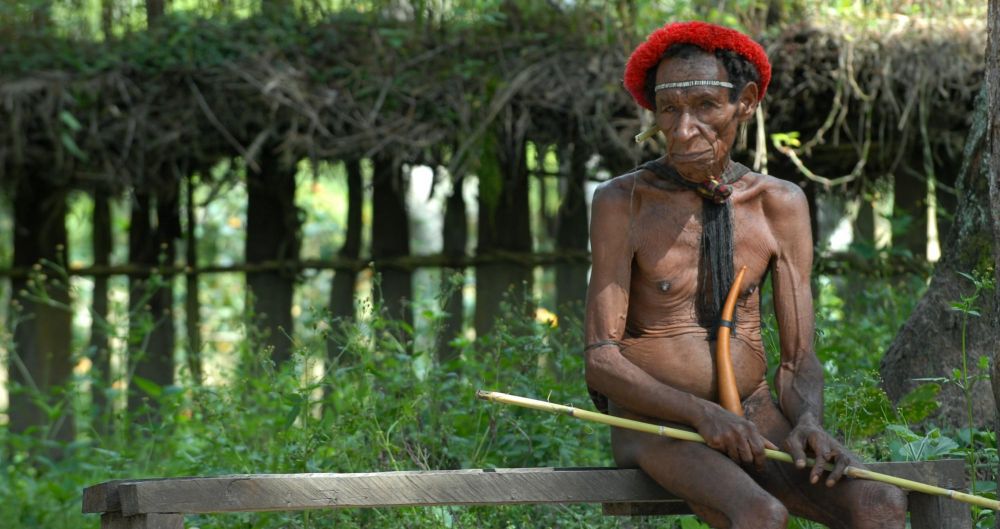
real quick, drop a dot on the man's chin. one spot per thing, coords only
(698, 171)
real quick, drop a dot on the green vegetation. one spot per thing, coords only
(382, 399)
(376, 406)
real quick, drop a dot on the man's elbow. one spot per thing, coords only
(804, 366)
(598, 363)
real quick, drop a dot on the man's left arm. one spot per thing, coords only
(799, 379)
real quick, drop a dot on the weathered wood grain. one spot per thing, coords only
(936, 512)
(388, 489)
(103, 497)
(622, 491)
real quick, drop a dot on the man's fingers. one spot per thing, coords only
(769, 445)
(838, 471)
(822, 452)
(746, 453)
(759, 455)
(795, 449)
(734, 453)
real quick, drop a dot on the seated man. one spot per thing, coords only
(665, 239)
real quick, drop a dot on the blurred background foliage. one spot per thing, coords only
(456, 164)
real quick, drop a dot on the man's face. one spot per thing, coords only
(699, 122)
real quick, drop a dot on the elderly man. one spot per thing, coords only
(665, 239)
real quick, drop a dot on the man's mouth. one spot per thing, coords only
(691, 156)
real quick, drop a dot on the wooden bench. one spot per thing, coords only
(162, 503)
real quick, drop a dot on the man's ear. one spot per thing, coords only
(747, 101)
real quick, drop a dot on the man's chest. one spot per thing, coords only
(669, 239)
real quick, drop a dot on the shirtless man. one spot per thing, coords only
(651, 321)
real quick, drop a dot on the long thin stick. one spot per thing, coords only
(684, 435)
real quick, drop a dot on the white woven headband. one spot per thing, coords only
(688, 84)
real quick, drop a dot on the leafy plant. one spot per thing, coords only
(384, 401)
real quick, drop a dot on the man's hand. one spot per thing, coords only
(809, 437)
(734, 436)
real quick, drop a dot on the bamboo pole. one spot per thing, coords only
(684, 435)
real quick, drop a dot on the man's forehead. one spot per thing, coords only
(701, 66)
(696, 92)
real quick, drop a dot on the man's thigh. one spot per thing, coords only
(843, 505)
(717, 489)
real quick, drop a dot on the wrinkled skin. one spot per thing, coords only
(657, 363)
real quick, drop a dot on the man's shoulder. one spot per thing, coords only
(776, 191)
(618, 190)
(784, 204)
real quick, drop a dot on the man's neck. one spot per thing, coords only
(719, 172)
(715, 189)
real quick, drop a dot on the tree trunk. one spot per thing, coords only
(455, 238)
(572, 234)
(273, 232)
(101, 368)
(154, 12)
(153, 232)
(342, 289)
(930, 343)
(41, 363)
(504, 221)
(910, 197)
(107, 18)
(192, 303)
(41, 15)
(141, 252)
(993, 115)
(391, 237)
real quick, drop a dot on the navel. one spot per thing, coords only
(663, 286)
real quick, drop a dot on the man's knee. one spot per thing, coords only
(766, 513)
(881, 506)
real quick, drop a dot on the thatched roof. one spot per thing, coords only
(153, 107)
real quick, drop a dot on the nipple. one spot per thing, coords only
(749, 291)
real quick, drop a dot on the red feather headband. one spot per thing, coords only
(708, 37)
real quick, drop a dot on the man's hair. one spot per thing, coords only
(740, 70)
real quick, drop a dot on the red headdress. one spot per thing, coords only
(708, 37)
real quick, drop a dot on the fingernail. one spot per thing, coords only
(800, 463)
(829, 483)
(813, 479)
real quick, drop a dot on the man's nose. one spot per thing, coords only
(686, 129)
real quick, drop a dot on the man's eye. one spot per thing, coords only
(670, 109)
(708, 105)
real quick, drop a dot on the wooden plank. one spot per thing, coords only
(625, 491)
(936, 512)
(947, 473)
(103, 497)
(114, 520)
(249, 493)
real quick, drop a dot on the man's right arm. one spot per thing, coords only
(613, 246)
(607, 371)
